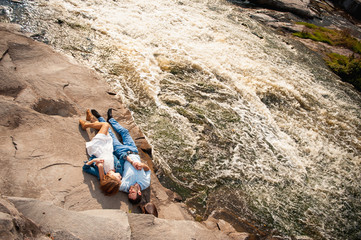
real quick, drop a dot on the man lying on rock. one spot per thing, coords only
(116, 164)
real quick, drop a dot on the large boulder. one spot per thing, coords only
(149, 227)
(65, 224)
(59, 223)
(14, 225)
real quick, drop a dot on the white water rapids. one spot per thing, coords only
(241, 119)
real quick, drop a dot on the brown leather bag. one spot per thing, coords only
(149, 208)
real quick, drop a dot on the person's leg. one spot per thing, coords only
(90, 117)
(116, 143)
(103, 127)
(127, 139)
(101, 119)
(119, 148)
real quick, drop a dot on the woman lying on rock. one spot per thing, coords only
(101, 162)
(136, 175)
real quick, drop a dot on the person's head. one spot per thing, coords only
(111, 183)
(135, 194)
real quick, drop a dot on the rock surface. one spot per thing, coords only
(65, 224)
(14, 225)
(43, 94)
(353, 7)
(59, 223)
(298, 7)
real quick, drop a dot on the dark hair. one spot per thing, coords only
(109, 186)
(136, 200)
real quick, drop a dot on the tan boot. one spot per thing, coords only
(82, 124)
(90, 117)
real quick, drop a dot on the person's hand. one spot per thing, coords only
(99, 162)
(138, 165)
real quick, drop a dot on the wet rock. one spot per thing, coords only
(221, 225)
(172, 100)
(353, 7)
(3, 10)
(299, 7)
(239, 235)
(289, 27)
(177, 197)
(302, 238)
(263, 17)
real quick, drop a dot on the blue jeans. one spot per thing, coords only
(120, 149)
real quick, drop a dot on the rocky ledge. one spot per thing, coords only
(308, 8)
(25, 218)
(43, 93)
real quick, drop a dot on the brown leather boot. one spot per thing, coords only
(90, 117)
(82, 124)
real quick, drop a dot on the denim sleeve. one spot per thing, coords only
(118, 165)
(91, 169)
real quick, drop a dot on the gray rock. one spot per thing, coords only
(298, 7)
(302, 238)
(353, 7)
(263, 17)
(13, 225)
(65, 224)
(290, 27)
(6, 222)
(156, 228)
(109, 224)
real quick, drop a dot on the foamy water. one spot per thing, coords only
(231, 108)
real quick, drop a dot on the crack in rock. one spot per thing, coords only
(1, 58)
(56, 164)
(15, 145)
(111, 93)
(65, 85)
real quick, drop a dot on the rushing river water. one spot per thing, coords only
(243, 121)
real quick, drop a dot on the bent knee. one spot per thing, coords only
(105, 124)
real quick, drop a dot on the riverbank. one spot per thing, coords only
(325, 27)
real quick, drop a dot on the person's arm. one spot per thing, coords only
(145, 167)
(99, 164)
(140, 166)
(90, 167)
(95, 160)
(129, 160)
(134, 164)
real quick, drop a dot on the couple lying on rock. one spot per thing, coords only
(116, 164)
